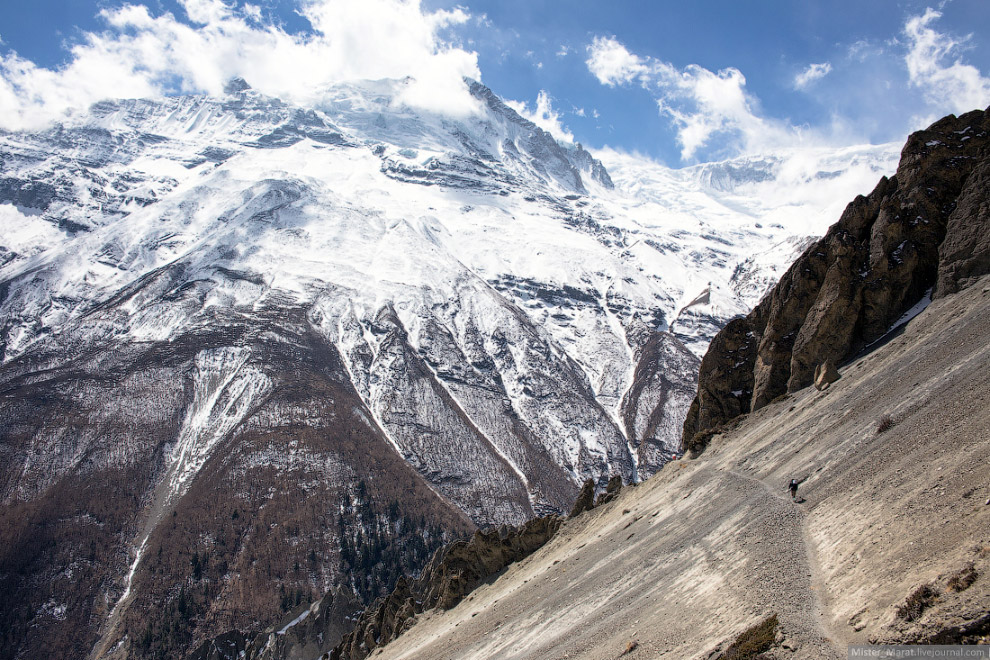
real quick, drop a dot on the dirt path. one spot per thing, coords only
(811, 613)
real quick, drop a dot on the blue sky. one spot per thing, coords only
(679, 82)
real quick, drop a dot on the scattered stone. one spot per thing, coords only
(825, 375)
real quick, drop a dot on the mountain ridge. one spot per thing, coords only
(688, 562)
(727, 522)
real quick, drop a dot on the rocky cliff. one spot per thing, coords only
(920, 235)
(331, 627)
(327, 627)
(452, 574)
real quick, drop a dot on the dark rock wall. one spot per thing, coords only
(657, 397)
(925, 228)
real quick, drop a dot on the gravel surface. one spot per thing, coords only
(680, 565)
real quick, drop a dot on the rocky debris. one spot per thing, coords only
(825, 375)
(454, 572)
(612, 490)
(585, 500)
(925, 229)
(950, 609)
(305, 632)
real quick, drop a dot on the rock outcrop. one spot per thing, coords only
(306, 632)
(612, 491)
(825, 375)
(585, 500)
(926, 229)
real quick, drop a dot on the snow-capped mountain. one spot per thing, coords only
(257, 199)
(461, 313)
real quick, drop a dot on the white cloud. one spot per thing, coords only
(144, 55)
(253, 12)
(706, 107)
(934, 66)
(811, 74)
(543, 116)
(613, 64)
(863, 49)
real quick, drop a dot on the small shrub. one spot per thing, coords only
(920, 600)
(754, 641)
(884, 424)
(964, 579)
(630, 647)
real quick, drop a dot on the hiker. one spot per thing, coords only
(792, 487)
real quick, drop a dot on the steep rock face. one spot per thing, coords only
(657, 396)
(924, 229)
(726, 389)
(305, 633)
(965, 253)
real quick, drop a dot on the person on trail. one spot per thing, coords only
(792, 488)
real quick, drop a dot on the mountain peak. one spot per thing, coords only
(236, 85)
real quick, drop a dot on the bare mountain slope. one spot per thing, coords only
(692, 557)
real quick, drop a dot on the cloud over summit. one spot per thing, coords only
(141, 55)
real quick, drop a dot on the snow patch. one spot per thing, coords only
(225, 389)
(299, 619)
